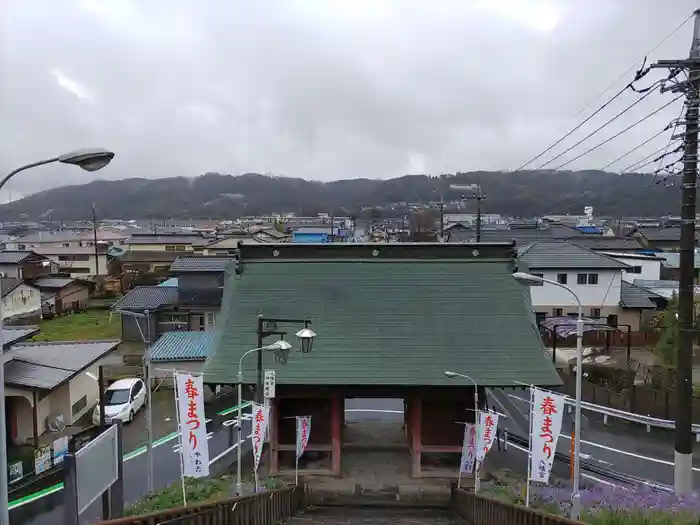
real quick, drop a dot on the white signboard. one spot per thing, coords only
(303, 434)
(42, 460)
(546, 415)
(193, 429)
(486, 433)
(60, 449)
(269, 384)
(468, 449)
(261, 415)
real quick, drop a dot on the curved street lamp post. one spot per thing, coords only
(452, 375)
(90, 160)
(281, 349)
(527, 278)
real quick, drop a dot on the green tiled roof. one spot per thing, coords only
(182, 346)
(387, 314)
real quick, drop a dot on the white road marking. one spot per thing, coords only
(587, 476)
(229, 449)
(625, 453)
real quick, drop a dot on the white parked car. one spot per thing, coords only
(123, 400)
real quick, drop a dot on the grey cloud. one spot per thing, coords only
(318, 89)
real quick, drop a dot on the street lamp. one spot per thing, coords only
(453, 375)
(528, 278)
(280, 348)
(267, 326)
(89, 160)
(306, 339)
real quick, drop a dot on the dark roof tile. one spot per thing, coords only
(148, 298)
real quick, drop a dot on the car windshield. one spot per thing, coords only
(117, 397)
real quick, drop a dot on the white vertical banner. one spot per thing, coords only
(486, 433)
(261, 415)
(193, 429)
(546, 414)
(468, 449)
(303, 434)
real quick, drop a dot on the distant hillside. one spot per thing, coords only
(524, 193)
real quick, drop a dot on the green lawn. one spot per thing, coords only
(93, 324)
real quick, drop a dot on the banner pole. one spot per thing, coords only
(296, 453)
(573, 450)
(529, 450)
(179, 439)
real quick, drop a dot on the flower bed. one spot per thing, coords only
(607, 505)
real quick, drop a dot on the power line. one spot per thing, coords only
(638, 165)
(601, 127)
(670, 139)
(618, 134)
(632, 68)
(647, 141)
(601, 108)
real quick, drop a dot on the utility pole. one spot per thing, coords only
(478, 197)
(442, 219)
(683, 461)
(94, 242)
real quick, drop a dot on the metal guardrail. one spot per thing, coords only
(648, 421)
(596, 469)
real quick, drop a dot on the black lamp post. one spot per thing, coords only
(268, 326)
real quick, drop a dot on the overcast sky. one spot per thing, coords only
(321, 89)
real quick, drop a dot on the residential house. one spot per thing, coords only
(595, 278)
(639, 266)
(74, 251)
(50, 385)
(192, 305)
(78, 261)
(666, 239)
(176, 242)
(25, 265)
(152, 254)
(670, 267)
(21, 302)
(60, 295)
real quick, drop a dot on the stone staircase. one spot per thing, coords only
(375, 515)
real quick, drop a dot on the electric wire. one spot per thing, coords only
(640, 99)
(601, 108)
(670, 139)
(647, 141)
(632, 68)
(638, 165)
(618, 133)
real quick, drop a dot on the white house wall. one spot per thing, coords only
(22, 301)
(81, 386)
(605, 293)
(651, 269)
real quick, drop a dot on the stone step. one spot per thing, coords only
(354, 515)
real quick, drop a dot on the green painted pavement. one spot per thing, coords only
(29, 498)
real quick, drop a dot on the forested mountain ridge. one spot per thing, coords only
(214, 195)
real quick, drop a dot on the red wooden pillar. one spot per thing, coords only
(274, 438)
(416, 417)
(336, 433)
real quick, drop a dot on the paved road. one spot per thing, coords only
(620, 446)
(50, 511)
